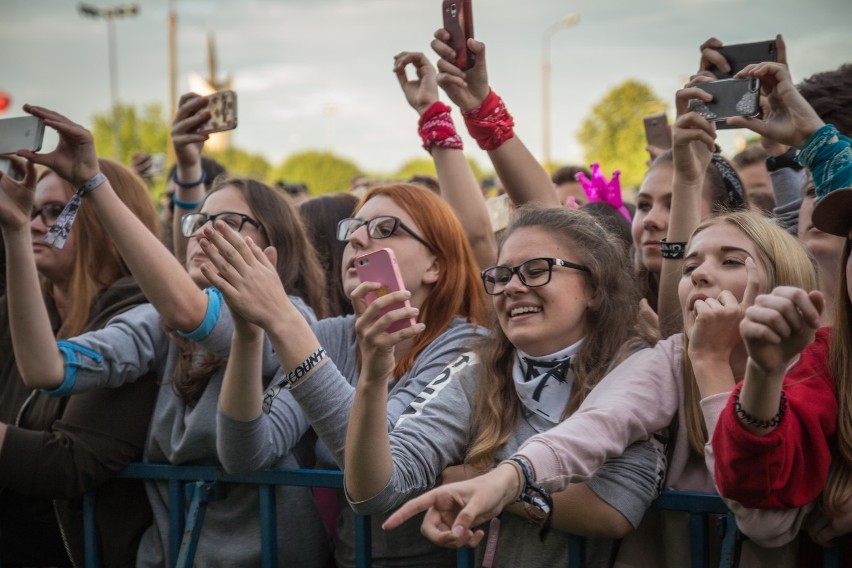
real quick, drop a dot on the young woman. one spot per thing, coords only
(52, 451)
(728, 260)
(323, 363)
(140, 341)
(564, 302)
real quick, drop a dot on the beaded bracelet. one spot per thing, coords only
(538, 504)
(673, 251)
(188, 185)
(747, 418)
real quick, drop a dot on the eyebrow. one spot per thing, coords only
(723, 249)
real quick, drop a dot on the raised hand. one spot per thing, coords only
(422, 91)
(693, 136)
(74, 158)
(467, 89)
(375, 343)
(16, 198)
(244, 274)
(791, 120)
(188, 144)
(779, 325)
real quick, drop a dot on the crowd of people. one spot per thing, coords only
(542, 375)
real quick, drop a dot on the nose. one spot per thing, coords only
(360, 239)
(514, 285)
(655, 219)
(701, 275)
(37, 225)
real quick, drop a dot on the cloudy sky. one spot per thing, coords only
(317, 73)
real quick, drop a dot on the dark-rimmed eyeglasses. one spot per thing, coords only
(533, 273)
(377, 228)
(49, 213)
(191, 222)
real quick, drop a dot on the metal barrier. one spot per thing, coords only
(194, 485)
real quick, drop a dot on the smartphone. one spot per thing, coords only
(21, 133)
(158, 165)
(458, 20)
(740, 55)
(7, 168)
(731, 97)
(657, 132)
(222, 107)
(381, 266)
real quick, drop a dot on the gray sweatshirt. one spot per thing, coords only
(435, 432)
(136, 342)
(326, 398)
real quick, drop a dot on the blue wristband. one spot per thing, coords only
(185, 204)
(191, 184)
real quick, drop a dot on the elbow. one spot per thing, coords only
(619, 527)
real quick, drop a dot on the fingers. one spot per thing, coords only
(410, 509)
(710, 57)
(683, 96)
(781, 50)
(752, 283)
(692, 127)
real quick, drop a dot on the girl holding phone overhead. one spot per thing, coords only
(323, 363)
(563, 300)
(183, 337)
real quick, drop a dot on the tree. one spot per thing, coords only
(614, 135)
(140, 131)
(322, 172)
(244, 164)
(425, 166)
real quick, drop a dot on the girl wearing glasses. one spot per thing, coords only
(53, 450)
(184, 338)
(563, 300)
(323, 363)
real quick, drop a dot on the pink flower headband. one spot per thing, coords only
(599, 189)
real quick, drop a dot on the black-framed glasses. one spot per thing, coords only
(532, 273)
(49, 213)
(191, 222)
(377, 228)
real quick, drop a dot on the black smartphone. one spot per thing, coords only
(731, 97)
(741, 55)
(458, 20)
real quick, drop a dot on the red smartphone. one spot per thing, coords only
(657, 132)
(381, 266)
(458, 20)
(222, 107)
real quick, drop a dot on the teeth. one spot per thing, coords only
(524, 310)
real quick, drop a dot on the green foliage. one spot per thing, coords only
(144, 130)
(425, 166)
(243, 164)
(322, 172)
(614, 136)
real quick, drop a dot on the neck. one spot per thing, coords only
(61, 298)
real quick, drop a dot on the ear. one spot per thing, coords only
(433, 272)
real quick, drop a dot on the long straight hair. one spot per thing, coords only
(97, 262)
(785, 262)
(610, 322)
(838, 487)
(458, 292)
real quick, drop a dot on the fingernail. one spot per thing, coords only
(458, 531)
(416, 311)
(407, 294)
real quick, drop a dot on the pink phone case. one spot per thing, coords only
(380, 266)
(222, 107)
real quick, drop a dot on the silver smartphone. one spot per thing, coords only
(21, 133)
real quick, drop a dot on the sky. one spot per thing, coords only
(317, 74)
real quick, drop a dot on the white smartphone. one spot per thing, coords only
(21, 133)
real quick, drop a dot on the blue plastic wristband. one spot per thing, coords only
(188, 185)
(185, 204)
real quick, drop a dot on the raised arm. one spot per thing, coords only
(164, 281)
(490, 124)
(37, 357)
(458, 185)
(188, 181)
(693, 142)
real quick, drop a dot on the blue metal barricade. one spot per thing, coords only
(194, 486)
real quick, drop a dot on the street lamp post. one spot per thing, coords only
(109, 13)
(565, 22)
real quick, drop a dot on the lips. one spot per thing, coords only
(694, 298)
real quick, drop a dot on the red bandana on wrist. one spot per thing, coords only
(490, 124)
(437, 128)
